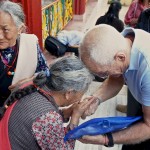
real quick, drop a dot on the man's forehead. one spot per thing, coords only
(90, 64)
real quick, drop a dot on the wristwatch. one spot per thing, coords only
(110, 140)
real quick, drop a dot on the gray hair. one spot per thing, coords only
(101, 44)
(69, 73)
(15, 10)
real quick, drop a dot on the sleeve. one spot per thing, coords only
(140, 22)
(42, 64)
(145, 90)
(138, 25)
(49, 132)
(130, 13)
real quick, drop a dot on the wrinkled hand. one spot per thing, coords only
(67, 112)
(19, 83)
(78, 110)
(97, 139)
(92, 108)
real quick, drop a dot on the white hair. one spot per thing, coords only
(101, 44)
(15, 10)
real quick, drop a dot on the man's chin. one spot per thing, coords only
(116, 75)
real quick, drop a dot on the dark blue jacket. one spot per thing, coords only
(144, 21)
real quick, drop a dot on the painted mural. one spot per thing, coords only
(55, 17)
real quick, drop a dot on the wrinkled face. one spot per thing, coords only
(8, 31)
(114, 69)
(74, 97)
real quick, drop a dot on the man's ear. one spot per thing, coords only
(120, 56)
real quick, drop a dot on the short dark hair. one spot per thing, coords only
(114, 8)
(112, 17)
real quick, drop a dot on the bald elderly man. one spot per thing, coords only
(121, 58)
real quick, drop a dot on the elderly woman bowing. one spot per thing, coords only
(35, 121)
(20, 54)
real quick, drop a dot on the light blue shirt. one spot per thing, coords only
(137, 76)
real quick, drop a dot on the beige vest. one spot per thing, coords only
(27, 57)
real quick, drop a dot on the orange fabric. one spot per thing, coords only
(4, 137)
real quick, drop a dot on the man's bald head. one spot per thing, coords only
(101, 43)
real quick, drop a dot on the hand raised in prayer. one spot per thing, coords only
(92, 108)
(78, 110)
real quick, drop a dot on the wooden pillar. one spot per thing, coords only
(33, 12)
(79, 7)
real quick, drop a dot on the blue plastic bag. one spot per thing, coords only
(101, 126)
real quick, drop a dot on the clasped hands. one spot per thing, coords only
(81, 109)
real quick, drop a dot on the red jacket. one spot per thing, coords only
(4, 137)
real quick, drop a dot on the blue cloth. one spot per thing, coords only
(42, 64)
(101, 126)
(137, 76)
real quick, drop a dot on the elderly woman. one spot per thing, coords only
(35, 121)
(17, 49)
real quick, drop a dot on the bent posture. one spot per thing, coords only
(125, 59)
(35, 121)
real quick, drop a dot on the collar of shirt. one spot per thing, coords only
(134, 51)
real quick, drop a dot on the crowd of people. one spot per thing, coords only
(36, 100)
